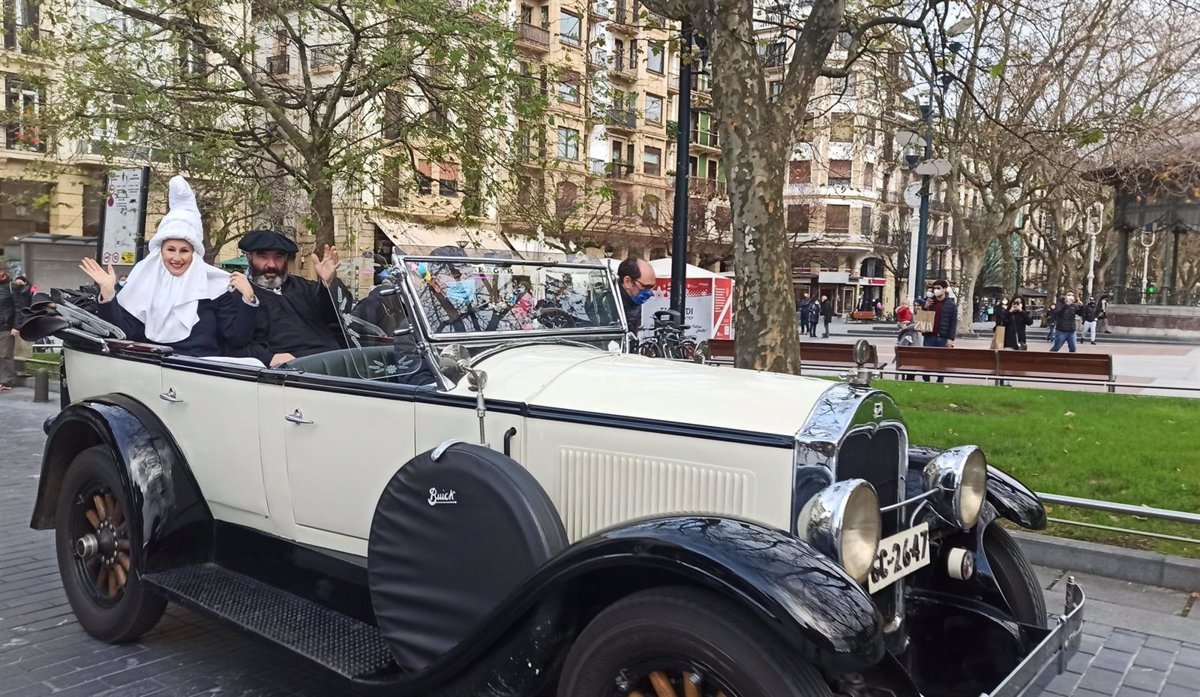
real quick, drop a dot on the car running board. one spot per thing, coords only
(353, 649)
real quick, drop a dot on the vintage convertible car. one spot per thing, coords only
(491, 498)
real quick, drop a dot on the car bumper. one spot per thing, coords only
(1049, 658)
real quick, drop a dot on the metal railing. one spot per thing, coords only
(1123, 509)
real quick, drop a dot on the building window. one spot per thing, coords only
(800, 172)
(775, 54)
(565, 196)
(568, 87)
(839, 173)
(424, 177)
(868, 176)
(539, 16)
(808, 128)
(866, 223)
(568, 143)
(448, 179)
(568, 28)
(651, 161)
(798, 215)
(837, 220)
(774, 89)
(650, 210)
(655, 62)
(389, 194)
(616, 204)
(654, 108)
(843, 127)
(24, 106)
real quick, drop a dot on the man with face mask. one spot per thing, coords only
(637, 280)
(296, 317)
(1063, 321)
(945, 322)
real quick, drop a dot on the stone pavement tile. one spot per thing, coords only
(1079, 663)
(1092, 693)
(1154, 658)
(1161, 644)
(1127, 691)
(1148, 679)
(1090, 644)
(1177, 691)
(1063, 684)
(1188, 656)
(1125, 640)
(1111, 659)
(1047, 576)
(1140, 620)
(1104, 681)
(1184, 676)
(137, 688)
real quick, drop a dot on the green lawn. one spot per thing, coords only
(1126, 448)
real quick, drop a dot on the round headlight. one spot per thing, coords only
(843, 521)
(959, 476)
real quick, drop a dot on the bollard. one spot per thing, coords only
(41, 386)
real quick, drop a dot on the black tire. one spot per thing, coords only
(1015, 576)
(675, 631)
(130, 611)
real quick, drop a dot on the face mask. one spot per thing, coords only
(929, 293)
(939, 292)
(642, 296)
(1070, 298)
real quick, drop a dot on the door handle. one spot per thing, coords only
(169, 396)
(297, 417)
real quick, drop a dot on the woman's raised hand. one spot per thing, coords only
(106, 279)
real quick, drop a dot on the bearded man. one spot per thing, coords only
(296, 317)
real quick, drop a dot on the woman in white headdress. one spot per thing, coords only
(173, 297)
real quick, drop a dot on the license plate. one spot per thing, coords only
(898, 556)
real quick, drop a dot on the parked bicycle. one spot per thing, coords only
(668, 339)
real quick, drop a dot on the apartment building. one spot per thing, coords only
(40, 190)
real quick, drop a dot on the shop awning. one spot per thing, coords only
(415, 238)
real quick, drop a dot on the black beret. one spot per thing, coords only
(266, 241)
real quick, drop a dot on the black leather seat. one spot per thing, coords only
(382, 363)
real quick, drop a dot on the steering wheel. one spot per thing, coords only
(557, 317)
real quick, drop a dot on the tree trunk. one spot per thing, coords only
(766, 330)
(972, 265)
(321, 212)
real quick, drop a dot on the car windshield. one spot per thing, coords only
(475, 296)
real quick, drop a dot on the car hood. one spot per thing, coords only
(629, 385)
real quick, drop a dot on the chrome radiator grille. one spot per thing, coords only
(875, 457)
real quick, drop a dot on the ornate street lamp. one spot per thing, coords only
(1146, 238)
(1093, 230)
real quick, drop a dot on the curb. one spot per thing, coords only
(1133, 565)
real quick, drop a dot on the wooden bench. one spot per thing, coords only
(816, 354)
(1006, 364)
(863, 315)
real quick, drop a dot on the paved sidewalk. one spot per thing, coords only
(1140, 641)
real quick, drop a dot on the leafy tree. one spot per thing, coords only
(303, 97)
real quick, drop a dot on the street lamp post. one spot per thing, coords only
(1147, 240)
(923, 226)
(679, 224)
(1092, 231)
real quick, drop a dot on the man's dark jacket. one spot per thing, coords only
(303, 318)
(633, 313)
(1064, 316)
(9, 304)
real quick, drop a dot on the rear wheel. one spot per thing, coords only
(682, 642)
(98, 552)
(1015, 576)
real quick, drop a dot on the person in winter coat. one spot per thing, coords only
(802, 313)
(826, 314)
(1063, 321)
(1090, 315)
(173, 297)
(945, 323)
(812, 317)
(1014, 320)
(10, 304)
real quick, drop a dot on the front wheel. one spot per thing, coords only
(1015, 577)
(99, 559)
(683, 641)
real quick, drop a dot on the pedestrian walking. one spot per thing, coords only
(1063, 321)
(1102, 315)
(826, 314)
(1090, 315)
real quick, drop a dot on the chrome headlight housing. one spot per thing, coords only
(958, 478)
(842, 521)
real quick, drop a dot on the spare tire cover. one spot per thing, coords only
(450, 540)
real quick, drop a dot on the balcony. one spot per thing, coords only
(621, 119)
(622, 69)
(325, 57)
(710, 140)
(624, 18)
(26, 139)
(774, 60)
(619, 169)
(706, 187)
(533, 38)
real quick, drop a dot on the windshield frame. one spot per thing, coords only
(416, 310)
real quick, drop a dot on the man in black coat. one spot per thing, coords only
(636, 279)
(9, 304)
(1063, 321)
(297, 317)
(826, 314)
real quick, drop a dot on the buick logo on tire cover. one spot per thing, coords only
(440, 498)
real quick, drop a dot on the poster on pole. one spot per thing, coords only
(124, 219)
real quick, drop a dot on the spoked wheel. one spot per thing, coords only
(649, 348)
(683, 642)
(97, 555)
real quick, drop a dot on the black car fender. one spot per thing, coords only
(1012, 500)
(176, 524)
(811, 604)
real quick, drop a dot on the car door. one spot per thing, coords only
(211, 409)
(345, 437)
